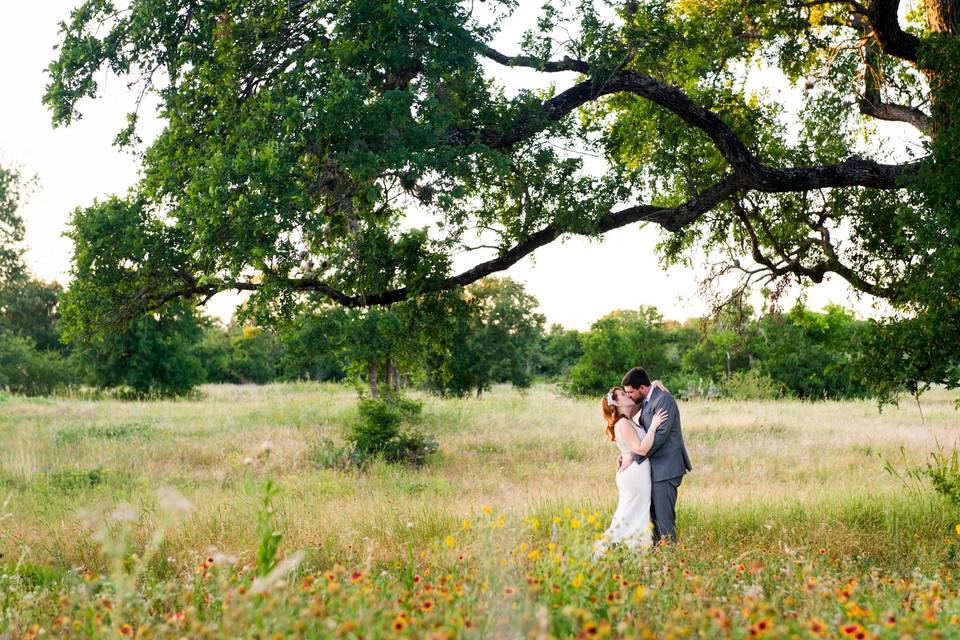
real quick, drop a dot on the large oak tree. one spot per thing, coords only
(303, 137)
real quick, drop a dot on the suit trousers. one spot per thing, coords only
(663, 510)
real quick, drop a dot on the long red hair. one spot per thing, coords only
(610, 413)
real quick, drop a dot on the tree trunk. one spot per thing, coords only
(396, 379)
(943, 16)
(374, 390)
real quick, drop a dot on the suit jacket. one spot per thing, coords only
(668, 455)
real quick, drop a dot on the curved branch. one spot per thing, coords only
(896, 113)
(852, 172)
(872, 104)
(884, 18)
(665, 95)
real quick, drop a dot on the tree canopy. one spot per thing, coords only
(318, 151)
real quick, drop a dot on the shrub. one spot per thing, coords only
(379, 423)
(690, 387)
(324, 453)
(752, 385)
(24, 369)
(943, 470)
(378, 433)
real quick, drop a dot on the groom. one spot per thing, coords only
(668, 456)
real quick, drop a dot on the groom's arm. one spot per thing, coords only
(666, 402)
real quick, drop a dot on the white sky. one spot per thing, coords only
(576, 281)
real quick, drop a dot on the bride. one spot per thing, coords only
(631, 522)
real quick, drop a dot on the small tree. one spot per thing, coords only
(154, 356)
(496, 338)
(618, 341)
(560, 349)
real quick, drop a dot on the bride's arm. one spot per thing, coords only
(633, 441)
(659, 384)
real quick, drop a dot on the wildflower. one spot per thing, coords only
(465, 524)
(577, 581)
(449, 541)
(817, 627)
(426, 605)
(417, 579)
(534, 555)
(509, 591)
(891, 621)
(126, 629)
(639, 594)
(399, 624)
(574, 523)
(487, 510)
(823, 551)
(957, 529)
(177, 618)
(356, 577)
(590, 628)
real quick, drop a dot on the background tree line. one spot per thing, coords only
(491, 334)
(453, 343)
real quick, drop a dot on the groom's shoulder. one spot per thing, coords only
(664, 398)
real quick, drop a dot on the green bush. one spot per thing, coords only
(324, 453)
(943, 470)
(752, 385)
(24, 369)
(410, 447)
(689, 387)
(378, 432)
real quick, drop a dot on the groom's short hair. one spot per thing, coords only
(636, 378)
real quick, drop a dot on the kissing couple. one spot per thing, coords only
(643, 420)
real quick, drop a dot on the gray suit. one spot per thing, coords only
(668, 463)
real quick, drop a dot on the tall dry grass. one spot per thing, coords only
(757, 465)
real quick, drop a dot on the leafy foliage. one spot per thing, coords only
(378, 432)
(618, 341)
(154, 356)
(24, 369)
(303, 139)
(12, 190)
(495, 339)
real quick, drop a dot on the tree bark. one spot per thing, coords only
(374, 389)
(943, 16)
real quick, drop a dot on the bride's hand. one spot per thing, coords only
(659, 385)
(658, 418)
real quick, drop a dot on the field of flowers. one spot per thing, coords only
(209, 520)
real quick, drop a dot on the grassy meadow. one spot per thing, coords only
(158, 519)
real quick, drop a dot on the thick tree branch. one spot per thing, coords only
(852, 172)
(667, 96)
(872, 104)
(884, 18)
(566, 64)
(876, 108)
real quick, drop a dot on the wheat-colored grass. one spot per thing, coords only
(518, 452)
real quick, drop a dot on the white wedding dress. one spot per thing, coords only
(631, 520)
